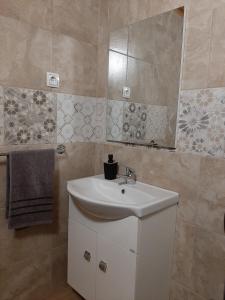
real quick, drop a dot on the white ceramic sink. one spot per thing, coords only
(109, 200)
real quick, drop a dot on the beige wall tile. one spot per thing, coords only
(173, 171)
(102, 71)
(76, 163)
(178, 292)
(26, 55)
(35, 12)
(211, 206)
(199, 259)
(138, 10)
(183, 255)
(28, 242)
(118, 40)
(202, 53)
(208, 265)
(196, 7)
(103, 22)
(33, 260)
(75, 61)
(58, 257)
(77, 19)
(28, 50)
(118, 14)
(142, 78)
(24, 281)
(160, 6)
(116, 75)
(199, 251)
(216, 71)
(176, 172)
(196, 49)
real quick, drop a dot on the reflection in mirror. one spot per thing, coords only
(119, 40)
(117, 74)
(146, 58)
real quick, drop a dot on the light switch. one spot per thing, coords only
(126, 92)
(52, 80)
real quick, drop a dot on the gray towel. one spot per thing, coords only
(30, 188)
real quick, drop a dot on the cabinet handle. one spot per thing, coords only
(103, 266)
(87, 256)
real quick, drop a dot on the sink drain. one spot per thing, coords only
(123, 191)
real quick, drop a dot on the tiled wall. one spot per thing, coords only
(199, 258)
(203, 58)
(80, 119)
(137, 122)
(34, 260)
(38, 36)
(198, 269)
(29, 116)
(49, 35)
(40, 117)
(201, 122)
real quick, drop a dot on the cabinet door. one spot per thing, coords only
(82, 259)
(116, 269)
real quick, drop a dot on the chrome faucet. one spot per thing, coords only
(129, 177)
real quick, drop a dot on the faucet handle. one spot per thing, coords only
(130, 171)
(129, 176)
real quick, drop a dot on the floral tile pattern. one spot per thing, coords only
(201, 122)
(134, 122)
(80, 119)
(157, 123)
(29, 116)
(114, 123)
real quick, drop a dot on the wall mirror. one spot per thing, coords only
(144, 80)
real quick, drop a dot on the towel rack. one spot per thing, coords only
(61, 149)
(3, 154)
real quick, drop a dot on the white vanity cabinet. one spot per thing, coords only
(127, 259)
(82, 257)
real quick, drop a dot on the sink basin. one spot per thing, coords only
(109, 200)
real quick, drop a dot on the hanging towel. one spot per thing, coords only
(30, 188)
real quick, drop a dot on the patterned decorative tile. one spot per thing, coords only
(157, 123)
(201, 122)
(29, 116)
(80, 119)
(134, 122)
(114, 124)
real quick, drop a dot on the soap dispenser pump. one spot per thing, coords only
(110, 168)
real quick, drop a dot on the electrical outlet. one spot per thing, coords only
(53, 80)
(126, 92)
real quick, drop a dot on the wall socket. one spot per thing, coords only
(126, 92)
(53, 80)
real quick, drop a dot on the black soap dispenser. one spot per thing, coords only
(110, 168)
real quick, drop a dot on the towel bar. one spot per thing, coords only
(3, 154)
(61, 149)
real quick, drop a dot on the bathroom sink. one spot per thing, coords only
(109, 200)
